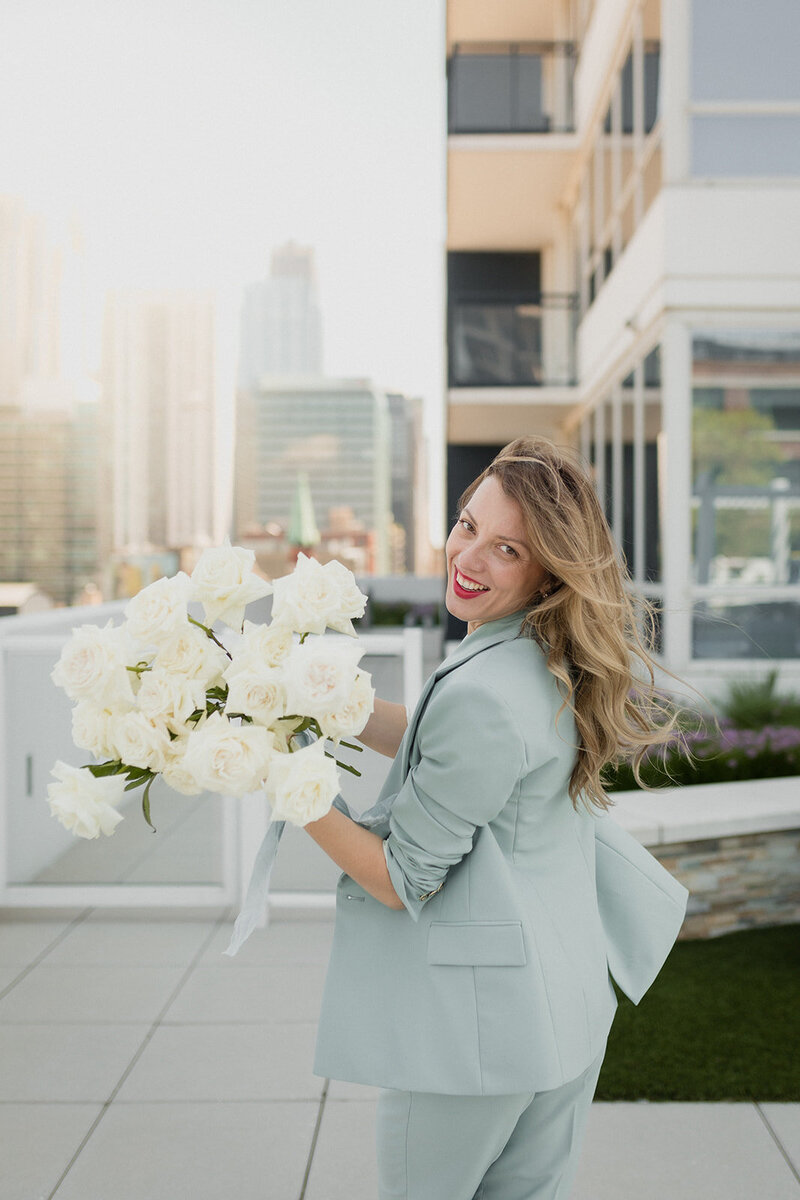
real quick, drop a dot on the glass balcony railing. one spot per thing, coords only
(520, 344)
(520, 87)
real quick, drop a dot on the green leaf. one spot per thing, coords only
(113, 767)
(146, 803)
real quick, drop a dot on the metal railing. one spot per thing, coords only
(511, 87)
(528, 343)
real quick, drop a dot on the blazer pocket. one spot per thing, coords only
(476, 944)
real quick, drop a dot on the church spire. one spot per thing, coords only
(303, 532)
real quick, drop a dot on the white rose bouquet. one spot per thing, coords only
(162, 695)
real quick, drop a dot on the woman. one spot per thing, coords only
(477, 930)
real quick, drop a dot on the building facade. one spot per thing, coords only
(336, 432)
(281, 320)
(49, 497)
(159, 404)
(624, 276)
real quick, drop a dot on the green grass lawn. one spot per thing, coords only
(721, 1022)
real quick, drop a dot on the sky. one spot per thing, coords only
(189, 137)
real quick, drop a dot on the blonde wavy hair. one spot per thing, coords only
(595, 630)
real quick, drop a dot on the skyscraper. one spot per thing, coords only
(336, 431)
(49, 497)
(281, 322)
(409, 491)
(159, 412)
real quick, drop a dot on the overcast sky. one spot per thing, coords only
(189, 137)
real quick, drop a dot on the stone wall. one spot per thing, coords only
(737, 882)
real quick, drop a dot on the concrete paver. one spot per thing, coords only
(65, 1062)
(214, 1096)
(37, 1142)
(195, 1152)
(681, 1152)
(344, 1166)
(226, 1062)
(273, 993)
(784, 1123)
(131, 944)
(90, 994)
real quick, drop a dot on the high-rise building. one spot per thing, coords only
(336, 432)
(49, 497)
(281, 321)
(409, 492)
(159, 414)
(30, 271)
(624, 275)
(44, 347)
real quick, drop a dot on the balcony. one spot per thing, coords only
(513, 344)
(511, 87)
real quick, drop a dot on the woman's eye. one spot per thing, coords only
(465, 524)
(509, 550)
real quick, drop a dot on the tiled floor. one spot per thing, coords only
(138, 1063)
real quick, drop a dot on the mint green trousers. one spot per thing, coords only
(519, 1147)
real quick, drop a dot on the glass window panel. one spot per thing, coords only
(725, 629)
(528, 97)
(480, 92)
(496, 344)
(748, 144)
(745, 51)
(746, 457)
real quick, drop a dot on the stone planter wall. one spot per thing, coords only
(735, 846)
(737, 882)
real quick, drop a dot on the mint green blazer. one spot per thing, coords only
(495, 976)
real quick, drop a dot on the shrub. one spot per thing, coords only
(754, 704)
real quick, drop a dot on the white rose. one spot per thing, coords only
(170, 699)
(351, 600)
(224, 583)
(302, 786)
(93, 665)
(139, 741)
(84, 804)
(91, 729)
(192, 653)
(350, 719)
(227, 758)
(262, 645)
(158, 611)
(259, 694)
(175, 773)
(315, 597)
(319, 677)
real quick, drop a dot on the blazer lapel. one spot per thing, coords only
(474, 643)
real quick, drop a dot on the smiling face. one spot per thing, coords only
(491, 571)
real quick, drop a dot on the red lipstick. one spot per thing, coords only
(461, 592)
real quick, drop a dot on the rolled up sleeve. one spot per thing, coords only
(472, 757)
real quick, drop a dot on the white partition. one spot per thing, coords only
(203, 851)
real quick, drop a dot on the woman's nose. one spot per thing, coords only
(472, 559)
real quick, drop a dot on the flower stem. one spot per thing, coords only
(344, 766)
(209, 633)
(350, 745)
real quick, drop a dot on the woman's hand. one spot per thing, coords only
(358, 851)
(385, 728)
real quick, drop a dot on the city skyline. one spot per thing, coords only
(189, 150)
